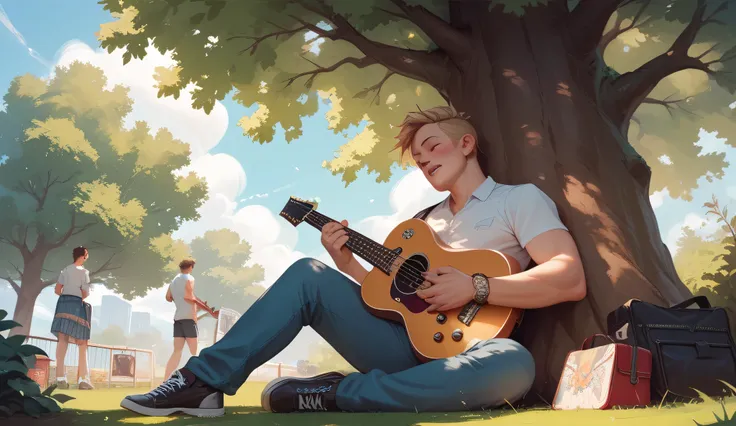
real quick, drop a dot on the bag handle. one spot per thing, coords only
(588, 342)
(701, 301)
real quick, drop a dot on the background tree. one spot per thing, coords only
(719, 273)
(75, 176)
(547, 83)
(222, 279)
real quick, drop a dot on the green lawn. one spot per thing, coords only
(101, 407)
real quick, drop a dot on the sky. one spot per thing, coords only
(249, 182)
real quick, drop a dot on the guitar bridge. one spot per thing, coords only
(468, 313)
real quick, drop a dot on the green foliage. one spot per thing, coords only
(18, 392)
(725, 420)
(222, 278)
(716, 261)
(266, 51)
(76, 176)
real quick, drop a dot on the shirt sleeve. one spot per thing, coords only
(62, 277)
(531, 212)
(85, 286)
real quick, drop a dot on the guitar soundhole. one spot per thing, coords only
(409, 276)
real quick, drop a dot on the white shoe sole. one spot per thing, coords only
(198, 412)
(266, 394)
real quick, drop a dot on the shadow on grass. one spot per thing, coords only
(255, 416)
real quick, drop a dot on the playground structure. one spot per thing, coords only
(112, 366)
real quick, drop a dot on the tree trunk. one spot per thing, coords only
(30, 288)
(535, 108)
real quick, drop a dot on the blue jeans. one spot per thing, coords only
(391, 378)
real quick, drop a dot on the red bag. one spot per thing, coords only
(604, 376)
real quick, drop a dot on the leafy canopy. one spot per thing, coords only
(373, 60)
(221, 277)
(76, 176)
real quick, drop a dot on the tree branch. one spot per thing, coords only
(376, 87)
(428, 67)
(259, 40)
(13, 284)
(453, 41)
(358, 62)
(20, 274)
(669, 104)
(44, 192)
(588, 20)
(73, 230)
(617, 30)
(624, 94)
(105, 266)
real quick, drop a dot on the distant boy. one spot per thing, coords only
(181, 292)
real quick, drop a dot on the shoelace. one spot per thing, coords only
(172, 384)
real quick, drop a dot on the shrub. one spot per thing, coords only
(18, 392)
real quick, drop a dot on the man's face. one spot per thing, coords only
(440, 159)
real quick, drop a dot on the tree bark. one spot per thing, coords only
(30, 288)
(535, 108)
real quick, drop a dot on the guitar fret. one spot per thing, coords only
(376, 254)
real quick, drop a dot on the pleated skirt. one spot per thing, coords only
(72, 318)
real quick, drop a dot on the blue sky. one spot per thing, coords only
(243, 171)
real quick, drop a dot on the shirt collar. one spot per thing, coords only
(484, 190)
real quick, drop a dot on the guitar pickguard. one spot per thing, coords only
(407, 280)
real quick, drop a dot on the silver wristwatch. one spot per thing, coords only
(480, 282)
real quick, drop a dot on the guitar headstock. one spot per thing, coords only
(297, 209)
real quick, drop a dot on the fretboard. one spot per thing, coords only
(374, 253)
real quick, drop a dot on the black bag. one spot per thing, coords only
(691, 348)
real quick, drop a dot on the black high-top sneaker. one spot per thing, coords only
(289, 394)
(184, 392)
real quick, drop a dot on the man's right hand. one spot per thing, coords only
(334, 237)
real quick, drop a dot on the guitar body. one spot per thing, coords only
(393, 296)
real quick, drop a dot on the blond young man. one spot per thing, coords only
(520, 221)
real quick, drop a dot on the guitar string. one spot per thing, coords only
(411, 272)
(417, 274)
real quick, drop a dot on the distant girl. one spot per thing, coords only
(72, 319)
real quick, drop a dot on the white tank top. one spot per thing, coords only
(184, 309)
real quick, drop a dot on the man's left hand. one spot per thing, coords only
(449, 289)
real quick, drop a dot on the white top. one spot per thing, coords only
(178, 286)
(74, 279)
(497, 217)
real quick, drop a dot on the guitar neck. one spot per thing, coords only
(372, 252)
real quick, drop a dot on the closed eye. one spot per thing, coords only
(433, 147)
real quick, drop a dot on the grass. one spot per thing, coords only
(102, 407)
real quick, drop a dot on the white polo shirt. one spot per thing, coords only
(498, 217)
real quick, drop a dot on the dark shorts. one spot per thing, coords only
(185, 328)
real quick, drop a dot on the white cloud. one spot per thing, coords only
(711, 143)
(704, 227)
(657, 198)
(223, 173)
(40, 311)
(5, 20)
(410, 195)
(202, 131)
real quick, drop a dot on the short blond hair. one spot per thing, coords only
(454, 124)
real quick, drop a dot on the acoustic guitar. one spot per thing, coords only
(389, 289)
